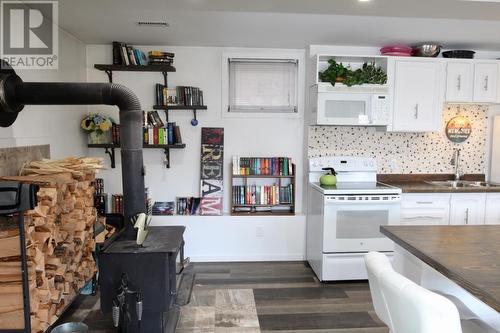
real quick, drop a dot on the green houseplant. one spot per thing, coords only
(367, 74)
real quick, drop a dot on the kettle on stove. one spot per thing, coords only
(328, 179)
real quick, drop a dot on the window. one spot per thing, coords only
(263, 85)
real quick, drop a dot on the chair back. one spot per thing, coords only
(414, 309)
(376, 263)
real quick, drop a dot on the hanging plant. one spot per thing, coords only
(367, 74)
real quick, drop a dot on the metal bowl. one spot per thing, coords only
(426, 50)
(71, 328)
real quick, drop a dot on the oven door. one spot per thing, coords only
(352, 222)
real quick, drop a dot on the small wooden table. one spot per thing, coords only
(463, 261)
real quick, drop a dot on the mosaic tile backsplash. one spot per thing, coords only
(407, 152)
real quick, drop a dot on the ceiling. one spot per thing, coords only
(285, 23)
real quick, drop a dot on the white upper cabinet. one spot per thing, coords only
(418, 95)
(485, 82)
(459, 81)
(467, 208)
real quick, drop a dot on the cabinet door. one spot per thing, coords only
(425, 209)
(467, 208)
(459, 81)
(492, 212)
(418, 95)
(485, 82)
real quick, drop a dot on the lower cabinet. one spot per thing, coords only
(450, 208)
(492, 212)
(467, 208)
(425, 209)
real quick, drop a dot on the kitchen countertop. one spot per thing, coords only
(467, 255)
(416, 183)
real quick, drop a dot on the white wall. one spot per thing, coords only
(211, 238)
(54, 125)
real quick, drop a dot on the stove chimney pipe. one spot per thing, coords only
(14, 94)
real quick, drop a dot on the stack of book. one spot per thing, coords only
(263, 195)
(272, 166)
(160, 58)
(115, 134)
(180, 95)
(127, 55)
(117, 203)
(100, 197)
(157, 133)
(188, 205)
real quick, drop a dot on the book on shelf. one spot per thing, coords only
(163, 208)
(117, 203)
(263, 195)
(115, 134)
(180, 95)
(128, 55)
(270, 166)
(160, 58)
(188, 205)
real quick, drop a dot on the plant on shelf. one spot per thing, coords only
(97, 126)
(367, 74)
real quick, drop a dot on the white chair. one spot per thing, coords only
(376, 263)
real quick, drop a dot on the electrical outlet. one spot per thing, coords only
(259, 232)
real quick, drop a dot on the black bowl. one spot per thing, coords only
(463, 54)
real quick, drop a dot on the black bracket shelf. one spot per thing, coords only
(109, 148)
(193, 108)
(108, 69)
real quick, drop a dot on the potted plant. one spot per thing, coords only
(97, 126)
(367, 74)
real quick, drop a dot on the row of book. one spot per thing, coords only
(117, 203)
(127, 55)
(263, 195)
(188, 205)
(98, 186)
(163, 208)
(273, 166)
(168, 135)
(180, 95)
(115, 134)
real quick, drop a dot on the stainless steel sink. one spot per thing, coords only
(461, 183)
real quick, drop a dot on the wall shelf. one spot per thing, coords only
(110, 150)
(109, 69)
(262, 209)
(167, 108)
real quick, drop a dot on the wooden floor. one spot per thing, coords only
(263, 297)
(275, 297)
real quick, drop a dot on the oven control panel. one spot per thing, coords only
(343, 163)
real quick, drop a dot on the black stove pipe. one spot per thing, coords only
(14, 94)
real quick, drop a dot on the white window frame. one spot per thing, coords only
(263, 54)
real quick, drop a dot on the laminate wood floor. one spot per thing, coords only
(253, 297)
(281, 297)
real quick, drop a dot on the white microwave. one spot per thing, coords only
(352, 106)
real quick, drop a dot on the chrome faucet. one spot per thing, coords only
(456, 162)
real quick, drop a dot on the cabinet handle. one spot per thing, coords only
(425, 202)
(486, 83)
(422, 217)
(459, 83)
(467, 216)
(416, 111)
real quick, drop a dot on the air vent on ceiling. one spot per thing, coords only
(153, 24)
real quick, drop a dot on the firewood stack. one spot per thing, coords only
(59, 240)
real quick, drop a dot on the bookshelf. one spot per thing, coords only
(167, 108)
(261, 209)
(109, 69)
(109, 148)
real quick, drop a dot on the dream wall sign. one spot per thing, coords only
(458, 129)
(212, 168)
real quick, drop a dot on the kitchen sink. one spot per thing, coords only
(461, 183)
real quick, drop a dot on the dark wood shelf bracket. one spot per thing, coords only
(110, 75)
(111, 153)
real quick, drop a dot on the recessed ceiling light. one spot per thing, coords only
(153, 24)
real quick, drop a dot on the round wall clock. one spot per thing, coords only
(458, 129)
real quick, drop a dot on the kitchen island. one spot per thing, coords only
(462, 261)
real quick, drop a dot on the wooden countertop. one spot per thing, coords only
(467, 255)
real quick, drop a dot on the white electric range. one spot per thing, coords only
(343, 221)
